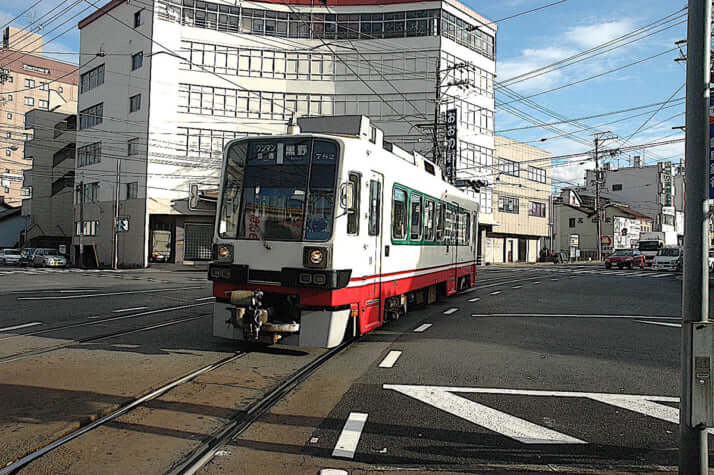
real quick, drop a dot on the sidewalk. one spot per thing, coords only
(539, 264)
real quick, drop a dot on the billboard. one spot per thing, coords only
(451, 144)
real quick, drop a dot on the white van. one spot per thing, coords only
(669, 258)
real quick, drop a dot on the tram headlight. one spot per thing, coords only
(223, 252)
(315, 257)
(305, 278)
(319, 279)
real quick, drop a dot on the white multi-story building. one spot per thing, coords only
(163, 89)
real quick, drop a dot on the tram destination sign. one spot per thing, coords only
(451, 143)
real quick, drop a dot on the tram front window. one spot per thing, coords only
(288, 190)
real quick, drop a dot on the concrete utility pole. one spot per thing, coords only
(693, 446)
(81, 223)
(599, 138)
(115, 241)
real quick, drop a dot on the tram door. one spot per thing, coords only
(455, 238)
(373, 312)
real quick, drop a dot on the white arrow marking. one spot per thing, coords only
(484, 416)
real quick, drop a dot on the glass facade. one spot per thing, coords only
(327, 26)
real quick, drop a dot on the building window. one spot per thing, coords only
(508, 204)
(89, 154)
(35, 69)
(668, 219)
(91, 79)
(132, 190)
(486, 201)
(536, 174)
(91, 116)
(536, 209)
(8, 152)
(26, 192)
(571, 222)
(138, 19)
(44, 104)
(135, 103)
(87, 193)
(9, 98)
(29, 101)
(133, 147)
(8, 135)
(9, 115)
(617, 187)
(88, 229)
(137, 60)
(29, 83)
(9, 79)
(60, 89)
(43, 86)
(509, 167)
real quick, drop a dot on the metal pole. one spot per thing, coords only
(695, 294)
(597, 200)
(81, 223)
(117, 190)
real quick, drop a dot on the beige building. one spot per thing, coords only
(521, 203)
(29, 81)
(50, 181)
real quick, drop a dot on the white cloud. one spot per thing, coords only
(531, 59)
(587, 36)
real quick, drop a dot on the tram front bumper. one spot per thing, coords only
(317, 328)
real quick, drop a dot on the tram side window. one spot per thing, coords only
(353, 218)
(429, 220)
(375, 207)
(399, 214)
(416, 215)
(449, 229)
(440, 222)
(465, 228)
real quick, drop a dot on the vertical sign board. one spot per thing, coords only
(711, 147)
(451, 142)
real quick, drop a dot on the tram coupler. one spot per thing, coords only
(248, 313)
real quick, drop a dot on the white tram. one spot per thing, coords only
(331, 232)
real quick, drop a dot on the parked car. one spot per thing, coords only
(48, 258)
(26, 256)
(9, 257)
(669, 258)
(626, 258)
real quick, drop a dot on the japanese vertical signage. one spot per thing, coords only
(667, 180)
(711, 147)
(451, 143)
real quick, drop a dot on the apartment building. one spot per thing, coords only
(30, 81)
(521, 203)
(200, 73)
(49, 183)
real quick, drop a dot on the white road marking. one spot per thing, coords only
(119, 310)
(475, 299)
(554, 280)
(422, 328)
(349, 438)
(495, 293)
(516, 286)
(572, 315)
(62, 297)
(536, 283)
(390, 359)
(450, 311)
(664, 324)
(205, 298)
(16, 327)
(484, 416)
(656, 276)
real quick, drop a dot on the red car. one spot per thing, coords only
(626, 258)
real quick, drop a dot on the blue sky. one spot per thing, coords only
(523, 44)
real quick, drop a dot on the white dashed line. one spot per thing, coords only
(536, 283)
(422, 328)
(495, 293)
(390, 359)
(554, 280)
(349, 438)
(119, 310)
(516, 286)
(16, 327)
(475, 299)
(204, 298)
(450, 311)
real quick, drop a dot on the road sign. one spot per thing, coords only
(451, 143)
(711, 148)
(122, 224)
(606, 240)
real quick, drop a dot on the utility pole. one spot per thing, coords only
(693, 446)
(599, 138)
(115, 241)
(81, 223)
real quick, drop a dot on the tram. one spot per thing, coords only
(332, 231)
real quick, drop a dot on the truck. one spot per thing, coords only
(649, 245)
(160, 246)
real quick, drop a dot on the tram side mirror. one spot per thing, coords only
(347, 197)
